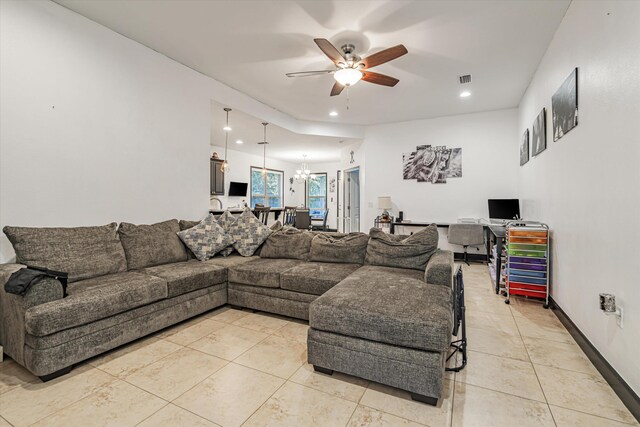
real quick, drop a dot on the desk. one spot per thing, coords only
(276, 211)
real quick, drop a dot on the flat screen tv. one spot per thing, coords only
(504, 209)
(238, 189)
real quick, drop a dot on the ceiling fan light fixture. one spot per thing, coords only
(348, 76)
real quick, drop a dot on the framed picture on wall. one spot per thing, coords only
(539, 133)
(524, 148)
(564, 106)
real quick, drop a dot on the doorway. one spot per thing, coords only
(349, 209)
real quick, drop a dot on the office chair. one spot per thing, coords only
(466, 235)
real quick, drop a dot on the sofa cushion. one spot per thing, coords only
(248, 233)
(206, 239)
(94, 299)
(350, 248)
(149, 245)
(289, 243)
(184, 277)
(315, 277)
(261, 272)
(377, 304)
(402, 251)
(230, 260)
(226, 220)
(82, 252)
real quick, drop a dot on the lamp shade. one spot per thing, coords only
(347, 76)
(384, 202)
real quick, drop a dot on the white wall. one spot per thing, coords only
(94, 128)
(239, 170)
(489, 162)
(586, 186)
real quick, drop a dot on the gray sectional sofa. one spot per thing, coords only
(379, 306)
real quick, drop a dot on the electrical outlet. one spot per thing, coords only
(370, 204)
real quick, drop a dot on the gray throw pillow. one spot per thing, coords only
(150, 245)
(248, 233)
(288, 243)
(206, 239)
(226, 220)
(350, 248)
(402, 251)
(81, 252)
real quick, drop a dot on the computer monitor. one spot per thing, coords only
(238, 189)
(504, 208)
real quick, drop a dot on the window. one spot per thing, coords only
(317, 194)
(266, 189)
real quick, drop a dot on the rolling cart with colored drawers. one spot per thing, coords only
(527, 260)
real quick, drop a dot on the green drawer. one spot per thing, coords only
(524, 246)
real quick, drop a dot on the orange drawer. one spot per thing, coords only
(526, 233)
(536, 240)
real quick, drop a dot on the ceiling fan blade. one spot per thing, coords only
(379, 79)
(330, 50)
(384, 56)
(310, 73)
(336, 89)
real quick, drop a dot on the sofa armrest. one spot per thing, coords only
(440, 269)
(13, 308)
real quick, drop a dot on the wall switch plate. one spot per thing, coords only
(370, 204)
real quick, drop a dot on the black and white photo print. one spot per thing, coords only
(564, 106)
(524, 148)
(539, 133)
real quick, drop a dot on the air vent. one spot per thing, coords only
(464, 79)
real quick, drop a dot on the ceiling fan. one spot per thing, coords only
(350, 68)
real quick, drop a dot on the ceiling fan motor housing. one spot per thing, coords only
(351, 57)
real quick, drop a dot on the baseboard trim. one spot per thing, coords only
(617, 383)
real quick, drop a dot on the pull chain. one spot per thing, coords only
(348, 97)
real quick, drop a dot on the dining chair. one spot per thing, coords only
(262, 213)
(290, 215)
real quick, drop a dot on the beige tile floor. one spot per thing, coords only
(233, 368)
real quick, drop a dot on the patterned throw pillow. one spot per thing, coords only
(206, 238)
(226, 220)
(248, 233)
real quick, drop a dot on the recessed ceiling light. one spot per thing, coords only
(227, 128)
(239, 141)
(465, 94)
(333, 113)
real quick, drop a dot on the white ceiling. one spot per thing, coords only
(283, 144)
(250, 45)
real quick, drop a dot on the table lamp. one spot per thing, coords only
(384, 203)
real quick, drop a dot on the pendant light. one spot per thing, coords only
(264, 149)
(225, 165)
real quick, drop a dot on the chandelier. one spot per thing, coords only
(303, 173)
